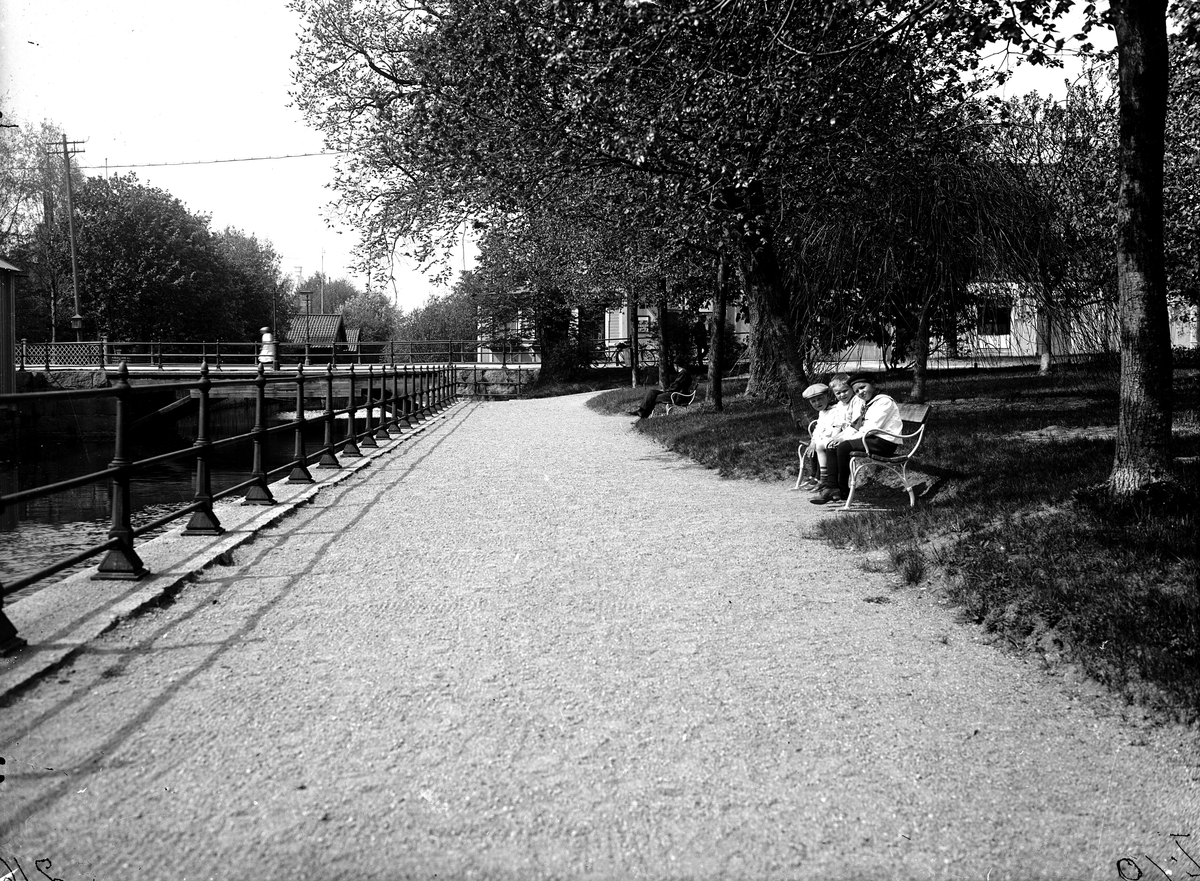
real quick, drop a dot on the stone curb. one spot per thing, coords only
(60, 619)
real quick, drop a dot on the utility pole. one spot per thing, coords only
(70, 148)
(322, 281)
(47, 250)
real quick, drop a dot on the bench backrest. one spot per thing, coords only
(914, 415)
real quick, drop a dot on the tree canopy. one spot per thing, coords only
(727, 126)
(149, 269)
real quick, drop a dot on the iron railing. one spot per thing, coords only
(403, 395)
(106, 354)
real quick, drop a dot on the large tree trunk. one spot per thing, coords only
(920, 353)
(559, 353)
(1143, 453)
(780, 371)
(1045, 339)
(631, 324)
(716, 331)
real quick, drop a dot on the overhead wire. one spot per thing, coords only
(205, 161)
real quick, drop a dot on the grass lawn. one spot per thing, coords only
(1011, 527)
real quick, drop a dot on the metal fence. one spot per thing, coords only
(402, 394)
(104, 354)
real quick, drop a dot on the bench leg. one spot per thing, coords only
(800, 474)
(855, 467)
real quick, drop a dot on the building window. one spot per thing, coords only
(995, 320)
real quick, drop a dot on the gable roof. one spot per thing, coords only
(316, 330)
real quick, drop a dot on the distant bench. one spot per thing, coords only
(678, 399)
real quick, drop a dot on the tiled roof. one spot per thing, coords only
(352, 335)
(316, 330)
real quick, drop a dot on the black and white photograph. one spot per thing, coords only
(572, 440)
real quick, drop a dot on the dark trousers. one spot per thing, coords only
(652, 397)
(650, 400)
(876, 445)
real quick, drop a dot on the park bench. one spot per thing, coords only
(682, 400)
(914, 417)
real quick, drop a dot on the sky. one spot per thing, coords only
(148, 81)
(141, 82)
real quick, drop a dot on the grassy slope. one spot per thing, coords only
(1021, 543)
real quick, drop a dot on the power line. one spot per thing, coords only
(205, 161)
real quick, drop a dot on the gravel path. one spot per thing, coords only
(472, 660)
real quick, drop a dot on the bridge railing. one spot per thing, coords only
(390, 398)
(503, 352)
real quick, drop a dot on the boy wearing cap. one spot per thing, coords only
(830, 420)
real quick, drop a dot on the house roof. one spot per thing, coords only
(352, 337)
(316, 330)
(4, 264)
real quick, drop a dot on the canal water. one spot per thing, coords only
(34, 534)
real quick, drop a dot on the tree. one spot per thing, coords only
(26, 173)
(450, 316)
(145, 264)
(329, 295)
(1068, 148)
(254, 292)
(150, 270)
(455, 108)
(542, 271)
(32, 195)
(1181, 189)
(373, 314)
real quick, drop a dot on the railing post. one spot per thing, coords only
(328, 454)
(300, 464)
(417, 397)
(392, 351)
(24, 353)
(259, 492)
(204, 521)
(48, 347)
(160, 354)
(121, 563)
(350, 447)
(381, 430)
(368, 439)
(395, 420)
(411, 416)
(405, 403)
(218, 345)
